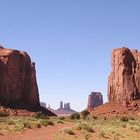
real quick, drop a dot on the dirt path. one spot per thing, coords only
(44, 133)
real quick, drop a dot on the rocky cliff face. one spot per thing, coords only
(18, 86)
(95, 99)
(124, 80)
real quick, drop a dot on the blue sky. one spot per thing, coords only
(70, 41)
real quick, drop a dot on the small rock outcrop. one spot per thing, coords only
(95, 99)
(124, 80)
(18, 85)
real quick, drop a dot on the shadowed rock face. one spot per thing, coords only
(124, 80)
(18, 86)
(95, 99)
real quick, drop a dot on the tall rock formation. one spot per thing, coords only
(95, 99)
(18, 85)
(61, 105)
(67, 106)
(124, 80)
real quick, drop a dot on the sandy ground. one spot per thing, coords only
(44, 133)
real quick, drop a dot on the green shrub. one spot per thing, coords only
(102, 134)
(61, 118)
(135, 128)
(68, 131)
(27, 125)
(86, 127)
(75, 116)
(124, 119)
(87, 136)
(84, 114)
(95, 117)
(40, 115)
(47, 122)
(60, 122)
(37, 125)
(11, 122)
(4, 114)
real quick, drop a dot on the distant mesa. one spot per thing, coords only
(63, 110)
(18, 84)
(95, 99)
(66, 106)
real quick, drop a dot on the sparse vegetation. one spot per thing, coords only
(4, 114)
(61, 118)
(124, 119)
(75, 116)
(68, 131)
(86, 129)
(41, 115)
(85, 126)
(47, 122)
(27, 125)
(102, 134)
(84, 114)
(60, 122)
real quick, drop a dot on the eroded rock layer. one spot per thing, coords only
(18, 86)
(124, 80)
(95, 99)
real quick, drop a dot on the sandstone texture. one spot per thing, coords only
(124, 80)
(95, 99)
(18, 85)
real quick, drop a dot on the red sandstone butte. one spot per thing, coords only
(18, 85)
(124, 80)
(95, 99)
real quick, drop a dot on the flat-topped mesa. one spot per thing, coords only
(124, 80)
(18, 85)
(95, 99)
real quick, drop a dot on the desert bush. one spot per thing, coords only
(40, 115)
(84, 114)
(75, 116)
(135, 128)
(68, 131)
(61, 118)
(38, 125)
(124, 119)
(27, 125)
(11, 122)
(47, 122)
(95, 117)
(60, 122)
(4, 114)
(86, 127)
(115, 137)
(102, 134)
(87, 136)
(124, 125)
